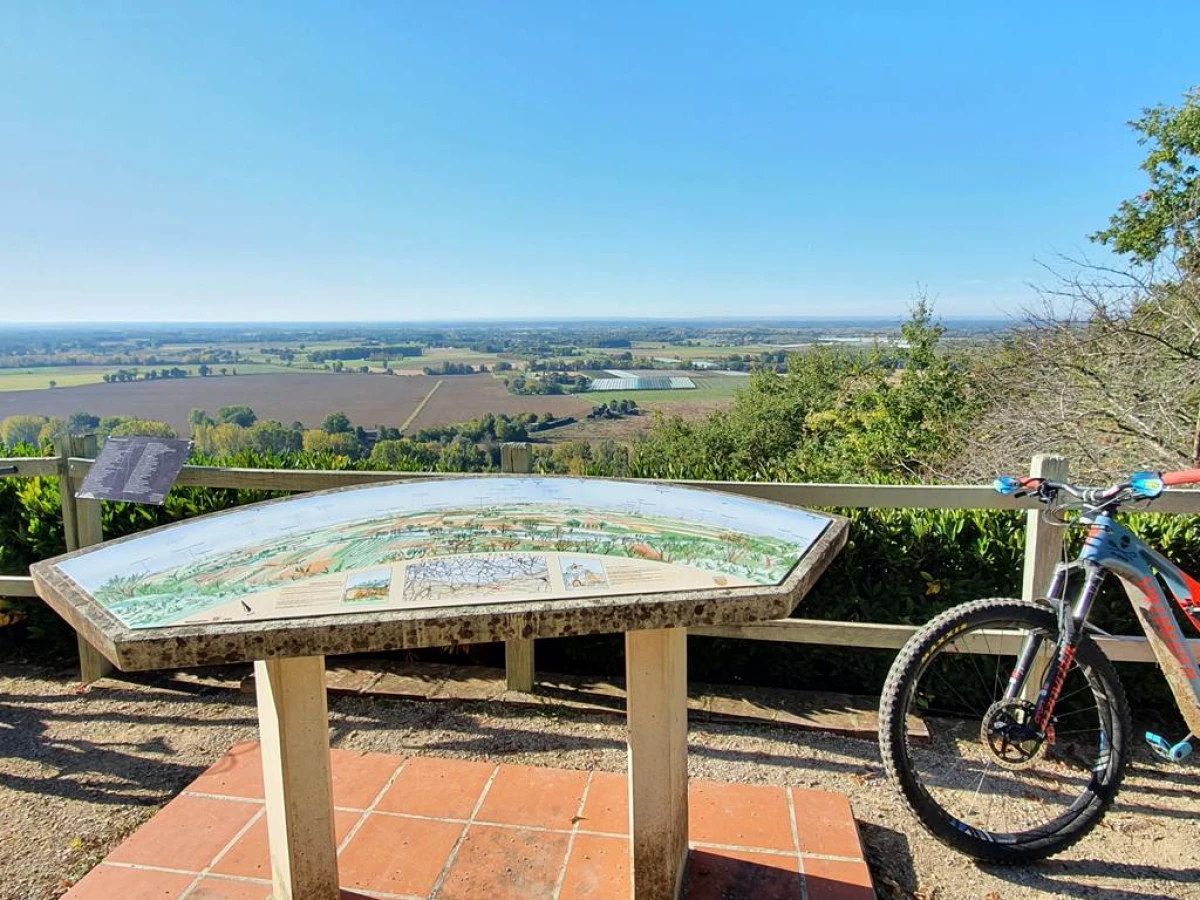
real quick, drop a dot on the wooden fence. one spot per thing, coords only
(1043, 545)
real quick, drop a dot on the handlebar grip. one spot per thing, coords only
(1184, 476)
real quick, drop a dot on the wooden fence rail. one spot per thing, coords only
(1043, 541)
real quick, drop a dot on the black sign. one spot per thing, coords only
(135, 469)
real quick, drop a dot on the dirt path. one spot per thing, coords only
(80, 772)
(420, 406)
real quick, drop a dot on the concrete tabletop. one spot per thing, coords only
(436, 563)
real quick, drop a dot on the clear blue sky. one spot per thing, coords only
(404, 160)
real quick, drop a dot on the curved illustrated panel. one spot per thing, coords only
(442, 543)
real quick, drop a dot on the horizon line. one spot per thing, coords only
(523, 320)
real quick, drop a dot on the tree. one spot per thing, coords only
(402, 456)
(318, 441)
(53, 383)
(17, 430)
(81, 422)
(511, 430)
(221, 439)
(54, 429)
(1167, 215)
(337, 423)
(1107, 370)
(462, 455)
(237, 415)
(837, 415)
(203, 370)
(274, 437)
(131, 426)
(200, 417)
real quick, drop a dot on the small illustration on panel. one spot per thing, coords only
(578, 573)
(370, 586)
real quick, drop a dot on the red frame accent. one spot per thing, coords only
(1184, 476)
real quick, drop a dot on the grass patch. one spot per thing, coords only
(39, 377)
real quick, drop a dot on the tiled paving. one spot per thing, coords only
(452, 829)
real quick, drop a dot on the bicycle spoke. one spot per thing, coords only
(1075, 712)
(975, 796)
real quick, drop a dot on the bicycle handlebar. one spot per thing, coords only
(1140, 486)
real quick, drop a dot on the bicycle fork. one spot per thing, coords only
(1053, 676)
(1050, 681)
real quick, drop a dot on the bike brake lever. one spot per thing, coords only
(1046, 493)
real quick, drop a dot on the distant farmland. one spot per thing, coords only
(367, 399)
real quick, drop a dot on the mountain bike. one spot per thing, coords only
(1002, 723)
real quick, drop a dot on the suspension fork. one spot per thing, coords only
(1071, 622)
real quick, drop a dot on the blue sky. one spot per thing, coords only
(402, 160)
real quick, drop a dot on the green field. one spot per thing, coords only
(709, 351)
(435, 356)
(37, 378)
(40, 377)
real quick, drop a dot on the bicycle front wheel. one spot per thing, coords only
(985, 780)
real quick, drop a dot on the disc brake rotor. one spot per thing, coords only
(1009, 733)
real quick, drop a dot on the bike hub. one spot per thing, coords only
(1009, 731)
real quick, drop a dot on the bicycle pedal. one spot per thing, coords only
(1168, 751)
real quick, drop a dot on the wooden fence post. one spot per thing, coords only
(1043, 551)
(82, 526)
(1043, 541)
(88, 524)
(66, 491)
(517, 459)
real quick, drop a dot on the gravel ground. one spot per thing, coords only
(79, 772)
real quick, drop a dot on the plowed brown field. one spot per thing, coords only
(367, 399)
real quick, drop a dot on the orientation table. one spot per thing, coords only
(438, 562)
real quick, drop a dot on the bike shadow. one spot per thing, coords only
(1060, 877)
(890, 859)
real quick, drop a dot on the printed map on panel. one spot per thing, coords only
(440, 543)
(437, 581)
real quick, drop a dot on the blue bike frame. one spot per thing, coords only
(1111, 547)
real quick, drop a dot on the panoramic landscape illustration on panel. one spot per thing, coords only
(534, 542)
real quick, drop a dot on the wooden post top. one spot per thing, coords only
(436, 563)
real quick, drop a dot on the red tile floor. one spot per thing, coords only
(456, 830)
